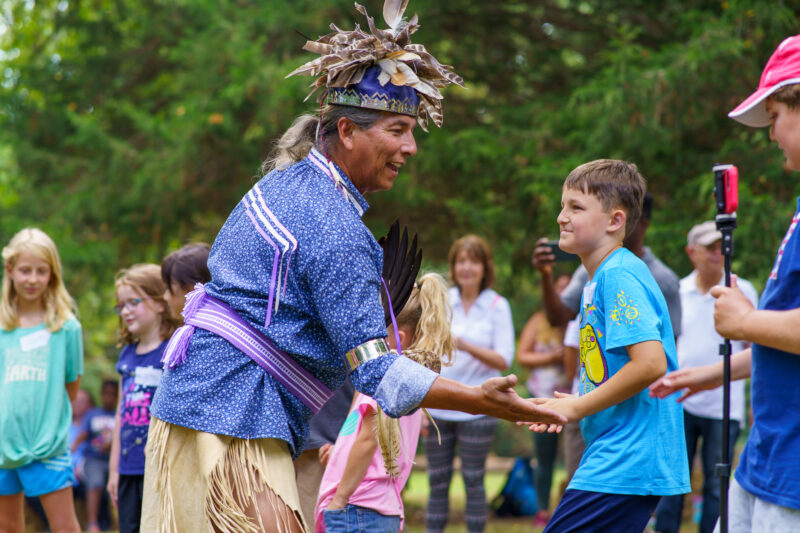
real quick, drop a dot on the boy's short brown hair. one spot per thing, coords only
(617, 184)
(789, 95)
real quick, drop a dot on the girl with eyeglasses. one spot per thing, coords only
(145, 324)
(41, 362)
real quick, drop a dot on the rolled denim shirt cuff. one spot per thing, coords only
(403, 387)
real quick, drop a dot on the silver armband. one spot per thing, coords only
(366, 352)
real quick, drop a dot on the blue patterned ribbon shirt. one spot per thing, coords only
(295, 261)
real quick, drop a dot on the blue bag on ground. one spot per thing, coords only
(518, 497)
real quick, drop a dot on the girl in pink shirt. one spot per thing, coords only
(360, 490)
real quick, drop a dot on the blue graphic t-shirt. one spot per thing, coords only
(98, 424)
(637, 446)
(769, 467)
(141, 374)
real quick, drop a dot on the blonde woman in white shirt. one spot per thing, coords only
(484, 336)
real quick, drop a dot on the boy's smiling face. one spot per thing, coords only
(583, 222)
(785, 130)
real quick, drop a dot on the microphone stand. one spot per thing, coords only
(726, 223)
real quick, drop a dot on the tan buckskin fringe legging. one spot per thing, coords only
(204, 483)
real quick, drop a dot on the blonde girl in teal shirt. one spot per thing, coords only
(41, 362)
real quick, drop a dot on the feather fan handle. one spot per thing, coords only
(388, 434)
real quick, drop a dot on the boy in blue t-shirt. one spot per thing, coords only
(765, 492)
(635, 448)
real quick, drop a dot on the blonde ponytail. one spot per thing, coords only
(428, 314)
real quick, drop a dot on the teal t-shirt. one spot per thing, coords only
(35, 412)
(637, 446)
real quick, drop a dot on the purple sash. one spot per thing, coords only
(206, 312)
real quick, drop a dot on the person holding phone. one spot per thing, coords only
(560, 255)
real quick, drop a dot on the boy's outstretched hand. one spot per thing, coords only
(503, 402)
(564, 404)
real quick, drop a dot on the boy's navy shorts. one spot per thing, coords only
(589, 512)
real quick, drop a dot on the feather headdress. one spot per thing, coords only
(346, 58)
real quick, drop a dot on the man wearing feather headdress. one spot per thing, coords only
(296, 288)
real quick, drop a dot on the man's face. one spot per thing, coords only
(707, 259)
(379, 151)
(785, 130)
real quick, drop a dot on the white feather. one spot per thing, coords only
(393, 12)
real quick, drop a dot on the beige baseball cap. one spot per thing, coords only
(704, 234)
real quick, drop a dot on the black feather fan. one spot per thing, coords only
(401, 265)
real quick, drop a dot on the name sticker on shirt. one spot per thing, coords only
(34, 340)
(588, 294)
(147, 376)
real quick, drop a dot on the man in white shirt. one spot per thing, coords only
(698, 345)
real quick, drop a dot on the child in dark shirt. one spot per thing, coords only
(97, 433)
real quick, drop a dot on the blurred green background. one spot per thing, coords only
(129, 127)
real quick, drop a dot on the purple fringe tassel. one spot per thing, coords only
(178, 345)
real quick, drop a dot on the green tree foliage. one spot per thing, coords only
(128, 127)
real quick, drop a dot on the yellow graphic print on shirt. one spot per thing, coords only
(625, 311)
(592, 359)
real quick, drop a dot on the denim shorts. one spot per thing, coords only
(355, 519)
(39, 477)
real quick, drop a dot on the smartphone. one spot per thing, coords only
(560, 254)
(726, 188)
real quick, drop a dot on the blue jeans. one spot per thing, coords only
(355, 519)
(668, 513)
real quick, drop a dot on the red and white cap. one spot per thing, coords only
(783, 68)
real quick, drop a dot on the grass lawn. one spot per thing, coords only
(415, 497)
